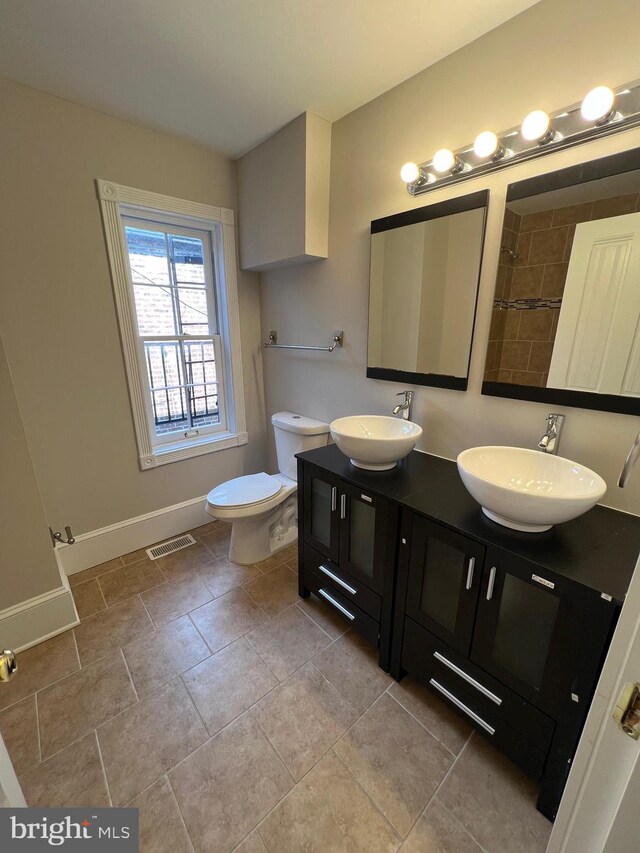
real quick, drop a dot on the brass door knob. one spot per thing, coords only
(8, 665)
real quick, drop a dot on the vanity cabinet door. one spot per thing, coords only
(320, 511)
(529, 630)
(443, 585)
(364, 521)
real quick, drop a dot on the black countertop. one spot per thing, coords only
(599, 549)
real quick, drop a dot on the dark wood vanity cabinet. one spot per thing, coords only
(510, 629)
(347, 552)
(515, 649)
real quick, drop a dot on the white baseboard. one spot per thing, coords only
(39, 618)
(98, 546)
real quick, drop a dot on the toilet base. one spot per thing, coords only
(255, 539)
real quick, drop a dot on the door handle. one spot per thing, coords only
(337, 580)
(470, 568)
(336, 604)
(492, 580)
(334, 498)
(466, 710)
(343, 506)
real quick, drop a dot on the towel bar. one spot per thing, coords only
(272, 343)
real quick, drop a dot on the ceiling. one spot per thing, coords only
(229, 73)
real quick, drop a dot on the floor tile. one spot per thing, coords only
(110, 629)
(494, 801)
(130, 580)
(88, 598)
(277, 559)
(157, 658)
(395, 760)
(72, 777)
(351, 665)
(19, 730)
(218, 545)
(227, 618)
(41, 665)
(251, 844)
(293, 564)
(443, 723)
(227, 786)
(328, 812)
(213, 530)
(176, 598)
(288, 641)
(438, 830)
(95, 571)
(162, 829)
(136, 556)
(225, 685)
(274, 590)
(221, 575)
(303, 718)
(184, 560)
(331, 622)
(142, 743)
(82, 701)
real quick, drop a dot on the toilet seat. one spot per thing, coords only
(245, 491)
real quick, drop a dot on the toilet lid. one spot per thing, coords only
(245, 490)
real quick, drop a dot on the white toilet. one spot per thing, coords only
(262, 508)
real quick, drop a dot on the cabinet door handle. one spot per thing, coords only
(338, 580)
(334, 498)
(470, 568)
(492, 580)
(336, 604)
(462, 706)
(343, 506)
(468, 678)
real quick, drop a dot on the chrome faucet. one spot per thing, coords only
(629, 462)
(551, 439)
(405, 406)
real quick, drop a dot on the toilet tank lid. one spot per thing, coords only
(291, 422)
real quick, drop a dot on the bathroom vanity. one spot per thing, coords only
(509, 628)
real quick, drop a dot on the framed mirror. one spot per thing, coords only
(423, 289)
(566, 314)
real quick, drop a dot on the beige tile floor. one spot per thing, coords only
(237, 717)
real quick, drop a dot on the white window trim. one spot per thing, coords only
(117, 201)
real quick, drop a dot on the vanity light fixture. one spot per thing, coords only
(602, 112)
(536, 127)
(598, 105)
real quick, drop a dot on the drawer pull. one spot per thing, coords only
(468, 678)
(492, 580)
(334, 498)
(338, 580)
(462, 706)
(336, 604)
(470, 568)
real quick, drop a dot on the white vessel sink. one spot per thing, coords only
(375, 442)
(528, 490)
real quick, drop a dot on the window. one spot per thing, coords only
(173, 269)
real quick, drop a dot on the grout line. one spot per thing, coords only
(38, 729)
(184, 823)
(104, 771)
(195, 707)
(148, 614)
(126, 666)
(273, 747)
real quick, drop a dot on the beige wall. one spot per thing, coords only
(545, 58)
(57, 313)
(27, 564)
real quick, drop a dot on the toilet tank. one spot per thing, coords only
(295, 433)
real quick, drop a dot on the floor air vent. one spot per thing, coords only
(170, 546)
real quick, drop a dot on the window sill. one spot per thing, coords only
(164, 454)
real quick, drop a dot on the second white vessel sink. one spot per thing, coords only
(528, 490)
(375, 442)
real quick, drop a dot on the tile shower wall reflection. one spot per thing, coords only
(521, 338)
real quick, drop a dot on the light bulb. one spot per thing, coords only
(535, 126)
(597, 104)
(444, 160)
(409, 173)
(486, 144)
